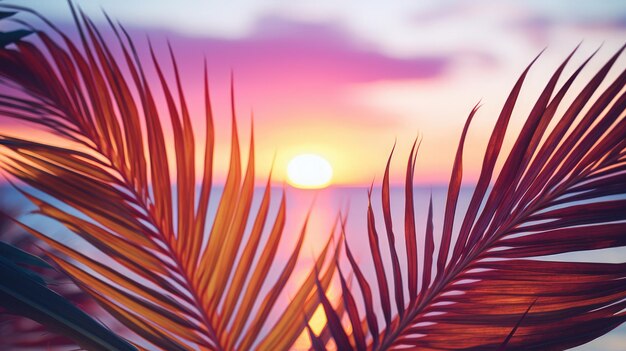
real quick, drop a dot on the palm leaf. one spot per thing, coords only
(25, 294)
(560, 190)
(177, 279)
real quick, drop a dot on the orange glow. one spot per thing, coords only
(317, 321)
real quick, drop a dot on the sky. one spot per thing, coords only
(346, 80)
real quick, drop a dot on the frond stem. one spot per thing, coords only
(179, 269)
(442, 284)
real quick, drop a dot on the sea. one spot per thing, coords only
(323, 207)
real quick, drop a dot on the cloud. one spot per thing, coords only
(293, 70)
(292, 48)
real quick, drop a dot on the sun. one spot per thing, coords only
(309, 171)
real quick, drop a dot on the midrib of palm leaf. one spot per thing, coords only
(186, 283)
(434, 292)
(196, 276)
(168, 248)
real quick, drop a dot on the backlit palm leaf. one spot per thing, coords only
(157, 269)
(560, 190)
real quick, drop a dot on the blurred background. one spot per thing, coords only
(345, 80)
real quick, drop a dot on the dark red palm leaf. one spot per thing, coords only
(560, 190)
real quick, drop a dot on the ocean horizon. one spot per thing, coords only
(324, 206)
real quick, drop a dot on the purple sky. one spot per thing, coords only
(346, 80)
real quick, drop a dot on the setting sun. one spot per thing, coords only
(309, 171)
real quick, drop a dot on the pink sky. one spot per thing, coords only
(346, 81)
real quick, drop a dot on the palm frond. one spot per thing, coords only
(29, 306)
(560, 190)
(177, 279)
